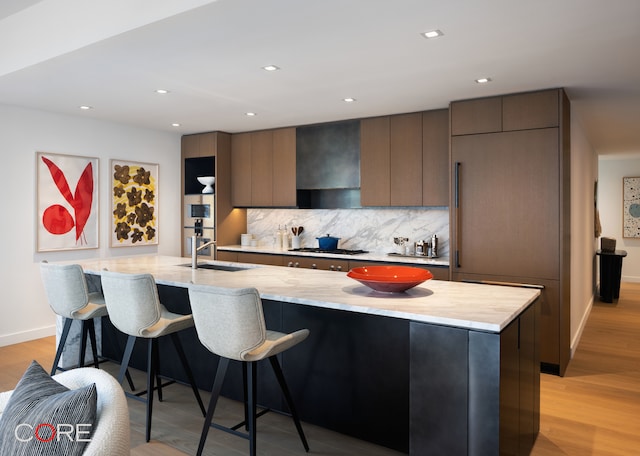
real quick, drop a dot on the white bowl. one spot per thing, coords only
(207, 181)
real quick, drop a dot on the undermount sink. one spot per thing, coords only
(217, 267)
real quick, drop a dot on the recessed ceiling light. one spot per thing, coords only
(270, 68)
(483, 80)
(162, 91)
(175, 124)
(348, 100)
(85, 108)
(432, 34)
(250, 114)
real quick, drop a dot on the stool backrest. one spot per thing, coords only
(229, 321)
(65, 286)
(132, 301)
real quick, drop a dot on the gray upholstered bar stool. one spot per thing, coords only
(230, 323)
(135, 309)
(69, 297)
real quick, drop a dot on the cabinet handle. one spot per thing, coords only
(332, 268)
(296, 265)
(290, 264)
(456, 198)
(314, 266)
(339, 268)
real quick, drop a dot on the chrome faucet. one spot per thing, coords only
(195, 250)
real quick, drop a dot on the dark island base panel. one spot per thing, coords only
(414, 387)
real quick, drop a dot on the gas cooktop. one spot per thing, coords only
(336, 251)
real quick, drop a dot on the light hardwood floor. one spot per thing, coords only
(593, 410)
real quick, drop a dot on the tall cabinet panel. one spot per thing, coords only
(284, 167)
(435, 158)
(508, 187)
(264, 168)
(406, 159)
(510, 203)
(375, 160)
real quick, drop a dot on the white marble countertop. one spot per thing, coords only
(465, 305)
(472, 306)
(372, 256)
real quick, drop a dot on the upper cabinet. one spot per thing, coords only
(404, 159)
(263, 167)
(522, 111)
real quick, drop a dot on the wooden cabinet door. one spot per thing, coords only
(435, 158)
(525, 111)
(508, 193)
(405, 164)
(241, 167)
(482, 115)
(284, 167)
(375, 177)
(262, 168)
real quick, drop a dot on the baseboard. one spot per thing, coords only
(583, 323)
(25, 336)
(630, 279)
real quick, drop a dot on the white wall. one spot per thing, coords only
(584, 173)
(612, 170)
(24, 312)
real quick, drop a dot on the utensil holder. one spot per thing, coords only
(295, 242)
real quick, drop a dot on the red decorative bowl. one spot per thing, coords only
(390, 279)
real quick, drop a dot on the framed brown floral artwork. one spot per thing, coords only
(67, 202)
(134, 197)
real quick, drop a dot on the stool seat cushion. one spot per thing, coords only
(95, 308)
(169, 323)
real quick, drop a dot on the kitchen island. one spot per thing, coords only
(444, 368)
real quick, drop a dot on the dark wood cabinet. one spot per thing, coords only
(510, 203)
(405, 167)
(526, 111)
(264, 168)
(483, 115)
(435, 158)
(404, 159)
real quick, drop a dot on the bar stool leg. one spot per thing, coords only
(185, 364)
(251, 399)
(94, 343)
(63, 340)
(287, 395)
(223, 364)
(83, 342)
(152, 353)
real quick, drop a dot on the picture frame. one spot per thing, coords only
(67, 215)
(631, 207)
(134, 203)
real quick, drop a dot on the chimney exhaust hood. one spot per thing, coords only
(328, 165)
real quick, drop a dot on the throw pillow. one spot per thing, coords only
(45, 418)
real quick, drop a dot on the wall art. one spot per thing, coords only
(631, 207)
(134, 197)
(67, 202)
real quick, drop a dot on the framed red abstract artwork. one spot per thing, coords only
(134, 198)
(67, 202)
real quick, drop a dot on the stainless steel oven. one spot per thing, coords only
(199, 220)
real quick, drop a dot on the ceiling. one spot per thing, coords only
(113, 55)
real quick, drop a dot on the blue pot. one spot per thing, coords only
(328, 242)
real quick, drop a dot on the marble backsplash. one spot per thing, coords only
(366, 229)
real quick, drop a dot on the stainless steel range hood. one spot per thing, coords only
(328, 165)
